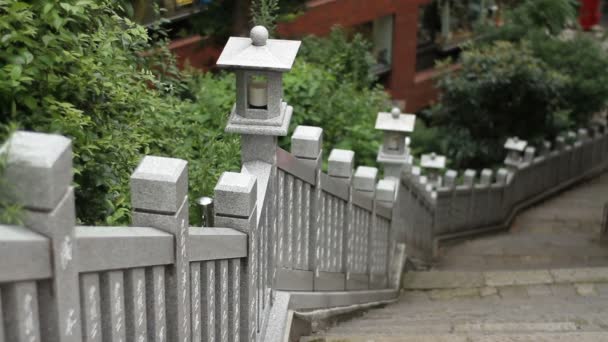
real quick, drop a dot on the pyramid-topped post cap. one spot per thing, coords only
(258, 35)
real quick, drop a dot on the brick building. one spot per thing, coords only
(395, 32)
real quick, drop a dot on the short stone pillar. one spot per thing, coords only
(159, 197)
(560, 143)
(307, 144)
(546, 148)
(433, 163)
(39, 174)
(236, 207)
(529, 155)
(449, 179)
(515, 148)
(502, 177)
(341, 164)
(365, 179)
(486, 177)
(394, 151)
(583, 135)
(385, 192)
(469, 178)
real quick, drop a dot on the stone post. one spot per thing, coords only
(39, 169)
(364, 182)
(340, 166)
(449, 180)
(386, 189)
(236, 207)
(307, 146)
(159, 197)
(529, 154)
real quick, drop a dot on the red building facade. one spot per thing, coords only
(403, 81)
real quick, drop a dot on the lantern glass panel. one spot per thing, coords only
(257, 92)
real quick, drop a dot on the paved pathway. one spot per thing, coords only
(562, 232)
(544, 280)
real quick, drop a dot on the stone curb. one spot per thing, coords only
(438, 280)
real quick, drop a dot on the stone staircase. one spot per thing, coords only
(544, 280)
(523, 305)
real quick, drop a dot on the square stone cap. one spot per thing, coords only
(274, 54)
(432, 161)
(344, 156)
(385, 190)
(516, 144)
(311, 133)
(236, 182)
(160, 169)
(366, 172)
(35, 149)
(403, 123)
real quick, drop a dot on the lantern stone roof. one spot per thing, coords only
(432, 161)
(395, 121)
(516, 144)
(259, 52)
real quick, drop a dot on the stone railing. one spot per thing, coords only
(432, 214)
(292, 237)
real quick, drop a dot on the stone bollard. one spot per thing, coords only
(236, 207)
(469, 178)
(385, 192)
(529, 154)
(39, 169)
(340, 166)
(307, 145)
(486, 177)
(159, 197)
(450, 179)
(364, 182)
(502, 176)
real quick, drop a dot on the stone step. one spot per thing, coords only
(517, 337)
(437, 280)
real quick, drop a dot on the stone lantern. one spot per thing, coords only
(259, 64)
(433, 163)
(394, 151)
(515, 149)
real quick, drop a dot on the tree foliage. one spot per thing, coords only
(77, 68)
(500, 91)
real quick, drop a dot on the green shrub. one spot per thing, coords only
(500, 91)
(586, 66)
(348, 59)
(77, 68)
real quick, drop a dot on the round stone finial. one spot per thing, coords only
(516, 139)
(395, 112)
(433, 155)
(259, 35)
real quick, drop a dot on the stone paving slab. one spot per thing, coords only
(579, 275)
(515, 327)
(506, 278)
(442, 280)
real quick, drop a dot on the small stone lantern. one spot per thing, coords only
(394, 151)
(259, 64)
(433, 163)
(515, 149)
